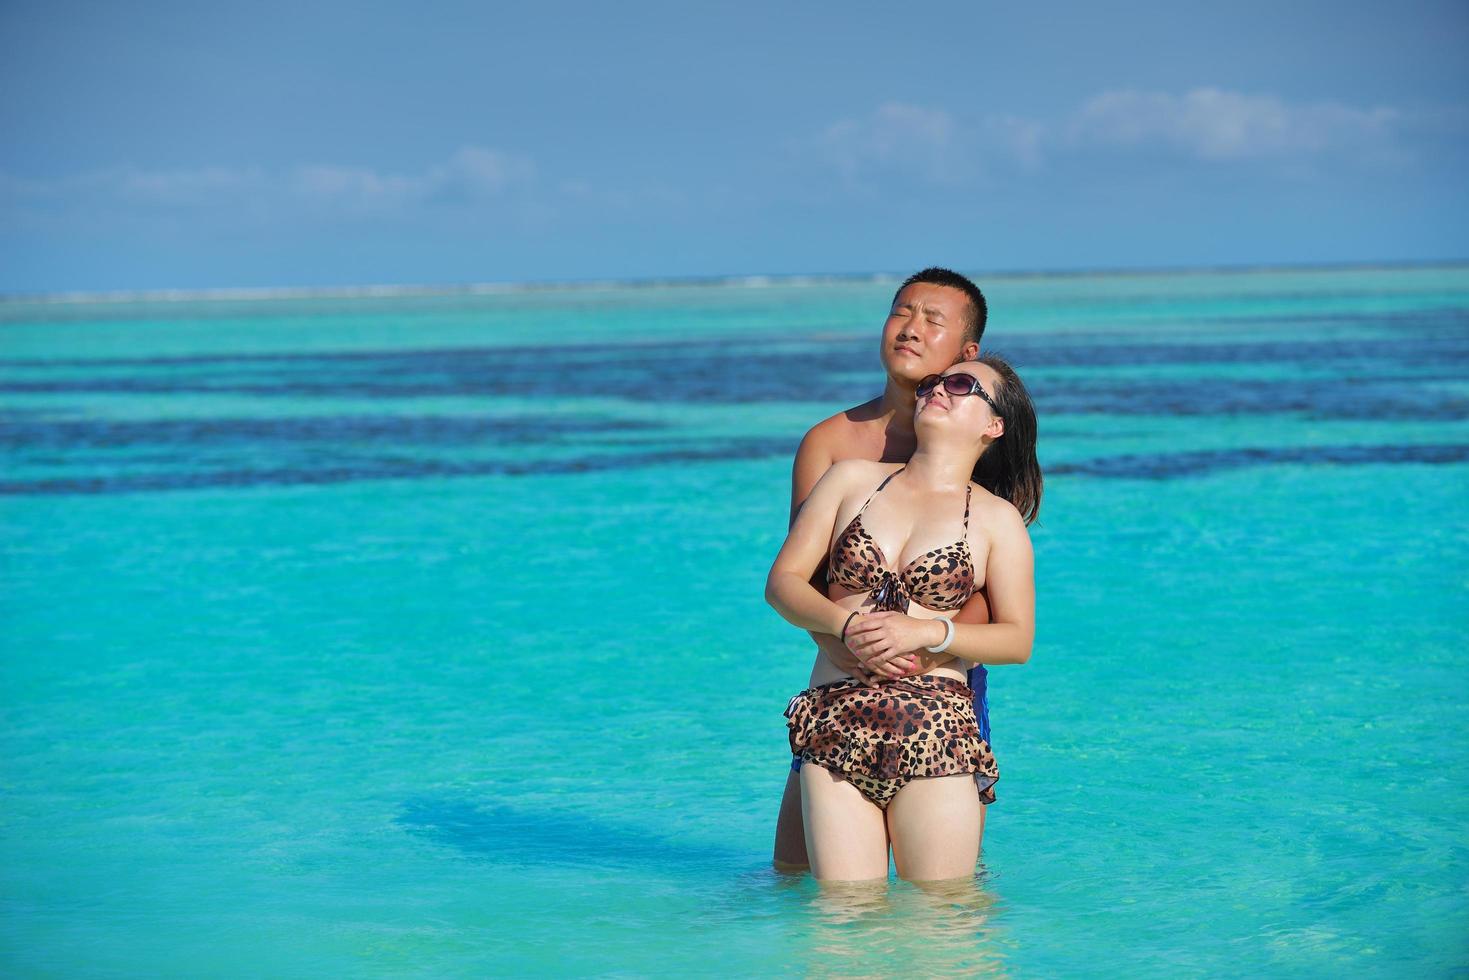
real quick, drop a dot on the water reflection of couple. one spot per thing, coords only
(917, 502)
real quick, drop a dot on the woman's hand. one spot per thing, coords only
(886, 642)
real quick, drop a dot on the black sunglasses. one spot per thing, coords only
(957, 383)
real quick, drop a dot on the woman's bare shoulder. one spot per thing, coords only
(994, 512)
(855, 472)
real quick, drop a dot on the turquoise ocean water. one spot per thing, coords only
(423, 635)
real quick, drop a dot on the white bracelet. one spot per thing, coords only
(948, 637)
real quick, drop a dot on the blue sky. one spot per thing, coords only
(195, 145)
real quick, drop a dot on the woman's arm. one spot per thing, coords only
(813, 459)
(788, 587)
(1010, 579)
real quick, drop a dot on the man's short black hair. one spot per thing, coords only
(979, 310)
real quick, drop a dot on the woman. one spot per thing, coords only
(897, 764)
(937, 318)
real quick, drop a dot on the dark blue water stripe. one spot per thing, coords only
(261, 434)
(1168, 466)
(1159, 466)
(345, 470)
(1377, 393)
(1375, 396)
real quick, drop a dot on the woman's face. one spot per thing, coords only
(971, 412)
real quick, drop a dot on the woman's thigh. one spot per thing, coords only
(935, 825)
(846, 836)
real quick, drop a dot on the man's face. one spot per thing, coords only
(924, 333)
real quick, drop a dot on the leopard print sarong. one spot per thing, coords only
(878, 738)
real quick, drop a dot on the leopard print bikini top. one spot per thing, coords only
(941, 579)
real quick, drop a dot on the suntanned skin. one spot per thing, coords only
(924, 334)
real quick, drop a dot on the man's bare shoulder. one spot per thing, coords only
(835, 436)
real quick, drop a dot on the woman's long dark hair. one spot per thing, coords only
(1008, 468)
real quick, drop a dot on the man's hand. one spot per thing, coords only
(889, 644)
(845, 660)
(923, 662)
(837, 652)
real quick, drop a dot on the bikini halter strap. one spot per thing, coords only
(884, 483)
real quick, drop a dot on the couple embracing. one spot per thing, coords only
(909, 562)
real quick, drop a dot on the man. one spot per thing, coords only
(936, 320)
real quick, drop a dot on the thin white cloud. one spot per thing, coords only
(894, 138)
(475, 171)
(331, 184)
(182, 188)
(1012, 139)
(1218, 125)
(1206, 126)
(471, 176)
(923, 143)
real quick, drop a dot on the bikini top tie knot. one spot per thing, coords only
(941, 579)
(890, 595)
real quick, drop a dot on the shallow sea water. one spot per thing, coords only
(423, 635)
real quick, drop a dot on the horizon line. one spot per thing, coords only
(751, 281)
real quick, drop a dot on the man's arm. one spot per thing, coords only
(813, 458)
